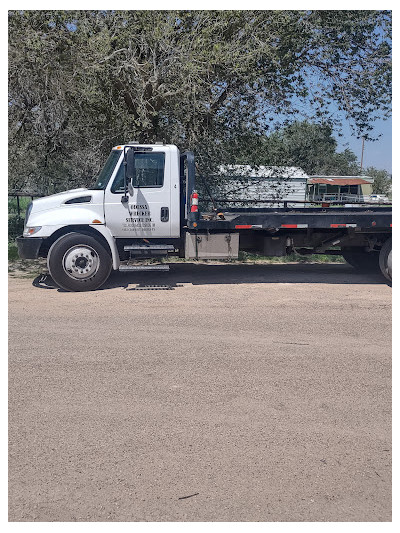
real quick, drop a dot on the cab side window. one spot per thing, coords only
(149, 172)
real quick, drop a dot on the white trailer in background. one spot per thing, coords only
(243, 182)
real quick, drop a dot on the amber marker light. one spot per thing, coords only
(95, 221)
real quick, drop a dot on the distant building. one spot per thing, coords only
(340, 188)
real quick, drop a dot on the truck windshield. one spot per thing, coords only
(108, 169)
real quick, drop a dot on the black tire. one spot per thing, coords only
(362, 261)
(385, 259)
(78, 262)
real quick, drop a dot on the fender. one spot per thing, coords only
(111, 242)
(90, 215)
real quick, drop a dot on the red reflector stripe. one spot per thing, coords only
(194, 209)
(338, 225)
(298, 226)
(243, 226)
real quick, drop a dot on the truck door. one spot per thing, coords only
(148, 212)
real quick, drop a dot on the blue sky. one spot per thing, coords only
(376, 154)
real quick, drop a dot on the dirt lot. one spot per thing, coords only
(246, 393)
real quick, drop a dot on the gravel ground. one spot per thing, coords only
(246, 393)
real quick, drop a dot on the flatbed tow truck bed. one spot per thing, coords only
(275, 219)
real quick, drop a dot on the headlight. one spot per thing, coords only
(28, 232)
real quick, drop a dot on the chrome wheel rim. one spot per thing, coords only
(81, 262)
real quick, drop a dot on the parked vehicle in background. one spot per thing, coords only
(145, 205)
(378, 198)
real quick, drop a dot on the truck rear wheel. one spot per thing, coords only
(385, 259)
(362, 261)
(78, 262)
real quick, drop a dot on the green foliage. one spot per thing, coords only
(83, 81)
(301, 144)
(23, 204)
(12, 251)
(15, 226)
(382, 181)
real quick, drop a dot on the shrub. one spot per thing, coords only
(12, 251)
(15, 226)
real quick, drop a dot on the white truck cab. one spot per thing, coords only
(152, 209)
(146, 206)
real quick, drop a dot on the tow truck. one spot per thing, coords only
(145, 205)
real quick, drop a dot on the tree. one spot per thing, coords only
(83, 81)
(311, 147)
(301, 144)
(382, 181)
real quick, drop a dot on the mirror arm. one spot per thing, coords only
(125, 198)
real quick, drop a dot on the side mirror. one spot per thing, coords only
(129, 173)
(129, 165)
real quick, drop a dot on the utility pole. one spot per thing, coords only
(362, 154)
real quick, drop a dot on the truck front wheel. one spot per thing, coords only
(362, 261)
(385, 259)
(78, 262)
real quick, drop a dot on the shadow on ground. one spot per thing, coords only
(209, 274)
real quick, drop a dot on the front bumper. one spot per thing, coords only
(28, 247)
